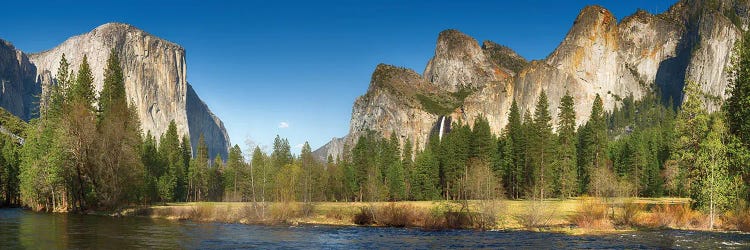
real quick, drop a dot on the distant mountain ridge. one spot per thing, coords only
(692, 41)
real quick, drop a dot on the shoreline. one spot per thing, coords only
(556, 216)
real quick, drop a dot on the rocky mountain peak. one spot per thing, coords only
(643, 53)
(504, 57)
(460, 63)
(155, 79)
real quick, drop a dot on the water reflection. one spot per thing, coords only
(22, 229)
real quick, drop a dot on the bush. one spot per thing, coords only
(630, 212)
(675, 216)
(365, 216)
(435, 218)
(739, 218)
(392, 215)
(308, 209)
(592, 214)
(487, 213)
(536, 215)
(283, 212)
(336, 214)
(255, 212)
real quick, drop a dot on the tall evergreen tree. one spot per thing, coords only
(308, 171)
(592, 143)
(566, 181)
(172, 184)
(118, 169)
(737, 108)
(542, 148)
(80, 127)
(233, 174)
(426, 181)
(407, 162)
(515, 144)
(691, 128)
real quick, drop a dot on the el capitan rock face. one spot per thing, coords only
(155, 79)
(693, 41)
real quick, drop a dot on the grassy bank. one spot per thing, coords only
(574, 216)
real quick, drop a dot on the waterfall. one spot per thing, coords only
(442, 126)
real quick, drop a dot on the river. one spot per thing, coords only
(24, 229)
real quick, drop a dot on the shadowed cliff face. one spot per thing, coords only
(155, 80)
(643, 53)
(202, 121)
(19, 87)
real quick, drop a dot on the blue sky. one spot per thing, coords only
(295, 68)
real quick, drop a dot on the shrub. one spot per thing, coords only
(336, 214)
(630, 212)
(435, 218)
(535, 216)
(738, 218)
(592, 213)
(365, 216)
(308, 209)
(487, 213)
(674, 216)
(393, 215)
(283, 212)
(255, 212)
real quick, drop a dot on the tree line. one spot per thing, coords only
(86, 151)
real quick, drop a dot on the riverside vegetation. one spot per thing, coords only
(87, 153)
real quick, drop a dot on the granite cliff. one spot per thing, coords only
(155, 80)
(640, 54)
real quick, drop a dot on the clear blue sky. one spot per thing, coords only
(260, 63)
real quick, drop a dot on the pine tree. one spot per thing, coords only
(308, 172)
(541, 147)
(395, 170)
(527, 133)
(407, 162)
(592, 143)
(691, 128)
(737, 108)
(453, 154)
(261, 175)
(80, 129)
(83, 90)
(233, 174)
(171, 184)
(118, 169)
(215, 182)
(153, 168)
(198, 172)
(566, 155)
(515, 142)
(426, 176)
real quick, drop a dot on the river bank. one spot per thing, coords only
(575, 216)
(23, 229)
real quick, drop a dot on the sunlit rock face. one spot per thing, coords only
(692, 41)
(155, 79)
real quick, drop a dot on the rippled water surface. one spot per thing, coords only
(23, 229)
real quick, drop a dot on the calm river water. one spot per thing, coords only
(23, 229)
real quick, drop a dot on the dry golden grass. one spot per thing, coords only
(591, 215)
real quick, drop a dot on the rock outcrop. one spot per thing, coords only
(692, 41)
(19, 83)
(155, 79)
(332, 148)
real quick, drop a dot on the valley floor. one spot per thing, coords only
(571, 216)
